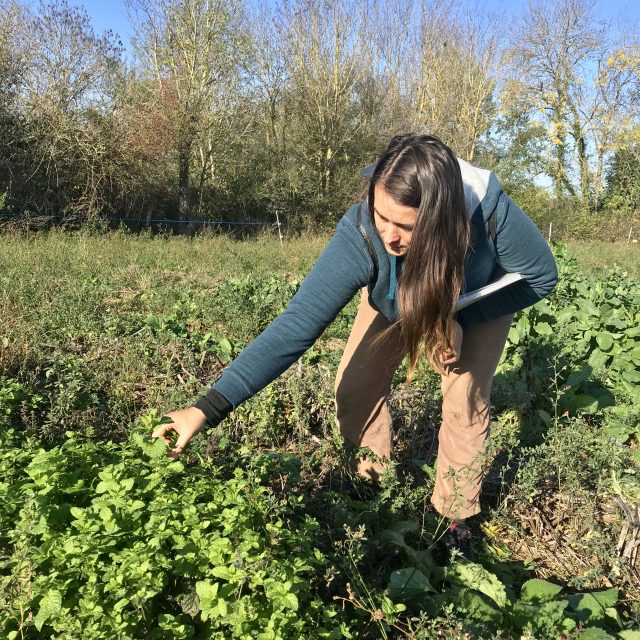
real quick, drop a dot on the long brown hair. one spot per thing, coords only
(421, 171)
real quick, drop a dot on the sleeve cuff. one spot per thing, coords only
(215, 406)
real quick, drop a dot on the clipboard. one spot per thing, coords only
(469, 298)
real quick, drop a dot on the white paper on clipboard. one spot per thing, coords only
(469, 298)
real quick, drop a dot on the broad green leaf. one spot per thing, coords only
(421, 559)
(577, 377)
(550, 614)
(617, 323)
(395, 533)
(612, 614)
(631, 375)
(408, 583)
(476, 607)
(632, 389)
(77, 512)
(292, 601)
(225, 347)
(536, 591)
(391, 537)
(476, 577)
(524, 614)
(630, 634)
(582, 289)
(604, 340)
(155, 449)
(616, 350)
(106, 514)
(175, 466)
(388, 607)
(520, 330)
(576, 403)
(225, 573)
(50, 606)
(545, 417)
(607, 597)
(153, 321)
(540, 616)
(590, 308)
(590, 607)
(598, 359)
(70, 546)
(206, 590)
(108, 486)
(565, 315)
(543, 329)
(207, 594)
(617, 429)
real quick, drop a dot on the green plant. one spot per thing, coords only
(98, 329)
(110, 539)
(16, 398)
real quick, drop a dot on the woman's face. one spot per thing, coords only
(394, 221)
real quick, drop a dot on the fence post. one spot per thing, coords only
(278, 222)
(629, 236)
(550, 226)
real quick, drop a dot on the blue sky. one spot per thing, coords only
(111, 14)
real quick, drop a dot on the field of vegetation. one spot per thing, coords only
(256, 532)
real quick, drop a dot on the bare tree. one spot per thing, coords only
(193, 48)
(64, 101)
(12, 132)
(611, 110)
(391, 40)
(324, 66)
(457, 56)
(315, 85)
(551, 52)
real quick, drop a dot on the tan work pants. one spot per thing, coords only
(363, 384)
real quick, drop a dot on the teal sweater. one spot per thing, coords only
(346, 265)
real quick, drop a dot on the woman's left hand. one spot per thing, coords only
(452, 355)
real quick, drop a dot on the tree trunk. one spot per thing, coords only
(585, 177)
(583, 160)
(184, 155)
(561, 181)
(597, 188)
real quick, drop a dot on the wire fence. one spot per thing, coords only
(160, 224)
(628, 238)
(554, 232)
(132, 220)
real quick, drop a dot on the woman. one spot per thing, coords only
(432, 227)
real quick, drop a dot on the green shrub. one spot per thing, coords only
(107, 540)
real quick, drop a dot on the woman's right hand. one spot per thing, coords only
(452, 354)
(186, 423)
